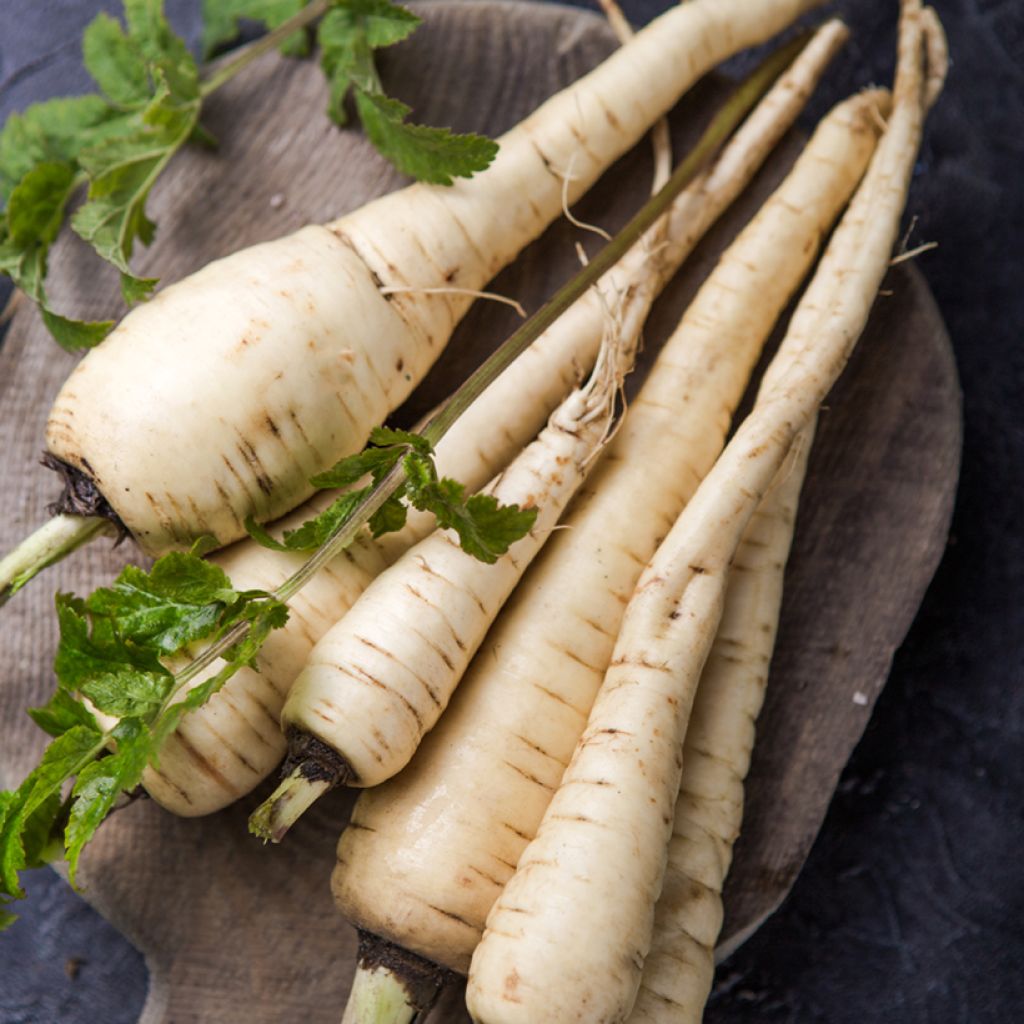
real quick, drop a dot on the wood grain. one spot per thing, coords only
(233, 931)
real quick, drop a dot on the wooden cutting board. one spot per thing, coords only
(234, 931)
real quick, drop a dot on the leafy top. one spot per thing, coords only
(111, 660)
(485, 529)
(119, 140)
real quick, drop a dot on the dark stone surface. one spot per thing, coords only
(910, 906)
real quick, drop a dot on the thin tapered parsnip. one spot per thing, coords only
(679, 968)
(426, 855)
(567, 938)
(283, 326)
(621, 783)
(224, 749)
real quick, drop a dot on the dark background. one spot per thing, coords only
(910, 906)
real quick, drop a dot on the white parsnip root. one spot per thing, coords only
(224, 749)
(426, 855)
(300, 329)
(567, 938)
(679, 968)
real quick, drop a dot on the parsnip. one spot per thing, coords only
(284, 326)
(680, 966)
(587, 884)
(221, 751)
(426, 855)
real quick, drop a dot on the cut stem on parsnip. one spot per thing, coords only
(51, 543)
(573, 926)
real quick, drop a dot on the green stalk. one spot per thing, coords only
(264, 44)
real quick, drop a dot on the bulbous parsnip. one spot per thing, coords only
(679, 968)
(567, 938)
(426, 855)
(224, 749)
(284, 325)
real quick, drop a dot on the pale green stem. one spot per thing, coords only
(378, 996)
(50, 543)
(292, 798)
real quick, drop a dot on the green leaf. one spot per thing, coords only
(165, 53)
(381, 23)
(387, 447)
(177, 602)
(27, 268)
(491, 528)
(420, 475)
(348, 35)
(434, 155)
(52, 131)
(262, 536)
(203, 137)
(128, 692)
(221, 18)
(485, 528)
(35, 208)
(62, 712)
(264, 614)
(385, 437)
(151, 71)
(204, 544)
(41, 832)
(110, 652)
(390, 517)
(115, 62)
(137, 289)
(116, 675)
(122, 141)
(74, 335)
(62, 759)
(312, 533)
(353, 468)
(35, 211)
(122, 172)
(99, 784)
